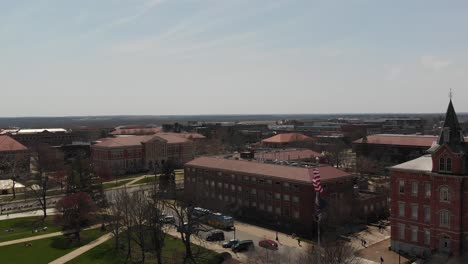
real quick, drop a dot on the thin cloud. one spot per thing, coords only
(434, 63)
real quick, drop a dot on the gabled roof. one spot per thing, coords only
(123, 141)
(287, 138)
(421, 164)
(264, 169)
(9, 144)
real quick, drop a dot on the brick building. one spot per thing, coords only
(429, 212)
(15, 159)
(131, 154)
(31, 138)
(271, 193)
(286, 140)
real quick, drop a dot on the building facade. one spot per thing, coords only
(15, 159)
(429, 212)
(274, 194)
(132, 154)
(31, 138)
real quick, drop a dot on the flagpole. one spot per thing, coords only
(317, 203)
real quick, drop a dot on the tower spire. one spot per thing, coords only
(451, 131)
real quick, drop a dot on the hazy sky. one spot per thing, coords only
(106, 57)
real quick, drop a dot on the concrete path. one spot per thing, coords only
(50, 211)
(77, 252)
(32, 238)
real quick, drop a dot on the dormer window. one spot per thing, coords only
(445, 164)
(446, 135)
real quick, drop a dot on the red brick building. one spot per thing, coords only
(286, 140)
(131, 154)
(266, 192)
(429, 209)
(15, 159)
(31, 138)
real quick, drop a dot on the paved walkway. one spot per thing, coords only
(380, 249)
(32, 238)
(50, 211)
(75, 253)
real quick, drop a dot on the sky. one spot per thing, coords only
(189, 57)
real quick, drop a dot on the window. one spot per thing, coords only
(295, 214)
(286, 185)
(269, 208)
(401, 231)
(233, 177)
(444, 218)
(414, 233)
(233, 187)
(448, 165)
(401, 209)
(295, 199)
(278, 210)
(246, 178)
(277, 196)
(226, 186)
(286, 197)
(402, 186)
(414, 211)
(427, 190)
(442, 164)
(253, 179)
(212, 183)
(444, 194)
(253, 191)
(427, 214)
(220, 184)
(414, 188)
(427, 236)
(239, 188)
(220, 197)
(261, 206)
(269, 182)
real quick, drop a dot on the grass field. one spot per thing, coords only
(108, 185)
(45, 250)
(106, 254)
(148, 179)
(23, 227)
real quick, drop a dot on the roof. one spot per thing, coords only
(8, 184)
(123, 141)
(133, 140)
(423, 163)
(287, 154)
(279, 171)
(136, 131)
(9, 144)
(287, 138)
(399, 140)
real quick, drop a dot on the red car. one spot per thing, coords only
(268, 244)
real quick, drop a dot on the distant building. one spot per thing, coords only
(31, 138)
(130, 154)
(6, 187)
(393, 148)
(286, 140)
(429, 194)
(292, 154)
(269, 193)
(15, 159)
(136, 131)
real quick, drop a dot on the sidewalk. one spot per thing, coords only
(50, 211)
(32, 238)
(75, 253)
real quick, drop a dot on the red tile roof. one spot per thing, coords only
(399, 140)
(279, 171)
(9, 144)
(287, 138)
(287, 154)
(172, 138)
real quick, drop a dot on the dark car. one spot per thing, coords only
(215, 235)
(230, 243)
(268, 244)
(168, 219)
(243, 245)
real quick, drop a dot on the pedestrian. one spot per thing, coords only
(277, 239)
(365, 242)
(381, 260)
(299, 241)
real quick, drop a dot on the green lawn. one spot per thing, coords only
(23, 227)
(108, 185)
(45, 250)
(148, 179)
(106, 254)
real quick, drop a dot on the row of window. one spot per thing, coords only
(286, 211)
(414, 234)
(445, 164)
(444, 216)
(443, 190)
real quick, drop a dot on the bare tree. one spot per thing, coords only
(337, 253)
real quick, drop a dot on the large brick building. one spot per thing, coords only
(271, 193)
(130, 154)
(15, 159)
(31, 138)
(429, 212)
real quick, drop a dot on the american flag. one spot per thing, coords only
(315, 178)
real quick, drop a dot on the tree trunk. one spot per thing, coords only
(159, 256)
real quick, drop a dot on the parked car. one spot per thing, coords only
(230, 243)
(268, 244)
(169, 219)
(215, 235)
(243, 245)
(181, 228)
